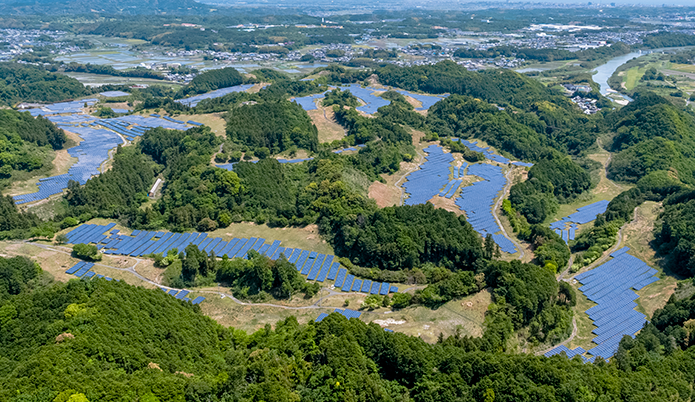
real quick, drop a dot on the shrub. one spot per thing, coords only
(86, 252)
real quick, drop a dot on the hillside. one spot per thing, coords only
(109, 341)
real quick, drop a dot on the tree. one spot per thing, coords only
(87, 252)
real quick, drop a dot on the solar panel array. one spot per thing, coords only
(318, 267)
(567, 226)
(84, 270)
(62, 107)
(93, 151)
(309, 102)
(610, 287)
(347, 313)
(570, 353)
(114, 94)
(372, 102)
(90, 154)
(181, 295)
(427, 100)
(193, 101)
(426, 182)
(477, 201)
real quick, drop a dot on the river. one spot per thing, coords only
(605, 71)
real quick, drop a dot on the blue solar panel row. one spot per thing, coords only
(476, 200)
(316, 266)
(433, 175)
(569, 352)
(610, 287)
(194, 100)
(583, 215)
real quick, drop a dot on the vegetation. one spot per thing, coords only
(86, 252)
(75, 326)
(22, 83)
(275, 126)
(404, 237)
(212, 80)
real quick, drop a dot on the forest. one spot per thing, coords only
(22, 83)
(108, 337)
(275, 126)
(212, 80)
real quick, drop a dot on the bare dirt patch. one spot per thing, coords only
(384, 194)
(324, 120)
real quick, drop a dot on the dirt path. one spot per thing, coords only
(566, 341)
(497, 218)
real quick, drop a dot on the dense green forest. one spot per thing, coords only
(26, 144)
(212, 80)
(276, 126)
(113, 342)
(21, 83)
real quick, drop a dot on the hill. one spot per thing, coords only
(109, 341)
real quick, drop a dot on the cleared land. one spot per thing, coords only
(324, 120)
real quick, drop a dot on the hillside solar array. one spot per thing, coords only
(90, 154)
(99, 137)
(84, 270)
(62, 107)
(114, 94)
(610, 287)
(347, 313)
(567, 226)
(372, 101)
(309, 102)
(315, 266)
(193, 101)
(426, 182)
(476, 200)
(181, 295)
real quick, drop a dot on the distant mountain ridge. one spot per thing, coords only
(127, 7)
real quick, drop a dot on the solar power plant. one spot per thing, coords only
(372, 102)
(62, 107)
(114, 94)
(315, 266)
(309, 102)
(93, 151)
(610, 287)
(567, 226)
(570, 353)
(433, 175)
(426, 100)
(193, 101)
(348, 313)
(477, 201)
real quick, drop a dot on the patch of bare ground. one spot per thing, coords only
(385, 195)
(213, 120)
(446, 203)
(324, 120)
(638, 234)
(254, 89)
(414, 102)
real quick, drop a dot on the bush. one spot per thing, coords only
(86, 252)
(401, 300)
(207, 225)
(69, 222)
